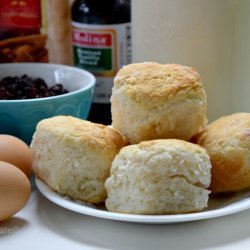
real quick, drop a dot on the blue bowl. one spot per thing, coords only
(20, 117)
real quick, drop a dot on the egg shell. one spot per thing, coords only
(15, 190)
(16, 152)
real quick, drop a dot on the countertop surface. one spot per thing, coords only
(44, 225)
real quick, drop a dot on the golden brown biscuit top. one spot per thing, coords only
(163, 143)
(173, 143)
(150, 79)
(71, 128)
(228, 131)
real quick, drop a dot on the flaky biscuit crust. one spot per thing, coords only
(145, 80)
(93, 134)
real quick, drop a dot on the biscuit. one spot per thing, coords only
(74, 156)
(227, 141)
(167, 176)
(154, 101)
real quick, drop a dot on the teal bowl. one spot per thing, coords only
(20, 117)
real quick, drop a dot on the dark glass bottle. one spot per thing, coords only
(101, 37)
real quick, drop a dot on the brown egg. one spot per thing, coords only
(14, 190)
(16, 152)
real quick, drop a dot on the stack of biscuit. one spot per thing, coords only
(157, 109)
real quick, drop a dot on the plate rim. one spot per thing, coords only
(72, 205)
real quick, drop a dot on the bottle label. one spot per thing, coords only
(102, 50)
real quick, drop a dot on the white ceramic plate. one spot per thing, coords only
(217, 207)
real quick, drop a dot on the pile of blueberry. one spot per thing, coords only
(25, 87)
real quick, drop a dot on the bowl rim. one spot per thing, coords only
(90, 85)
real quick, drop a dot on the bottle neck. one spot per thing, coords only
(101, 12)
